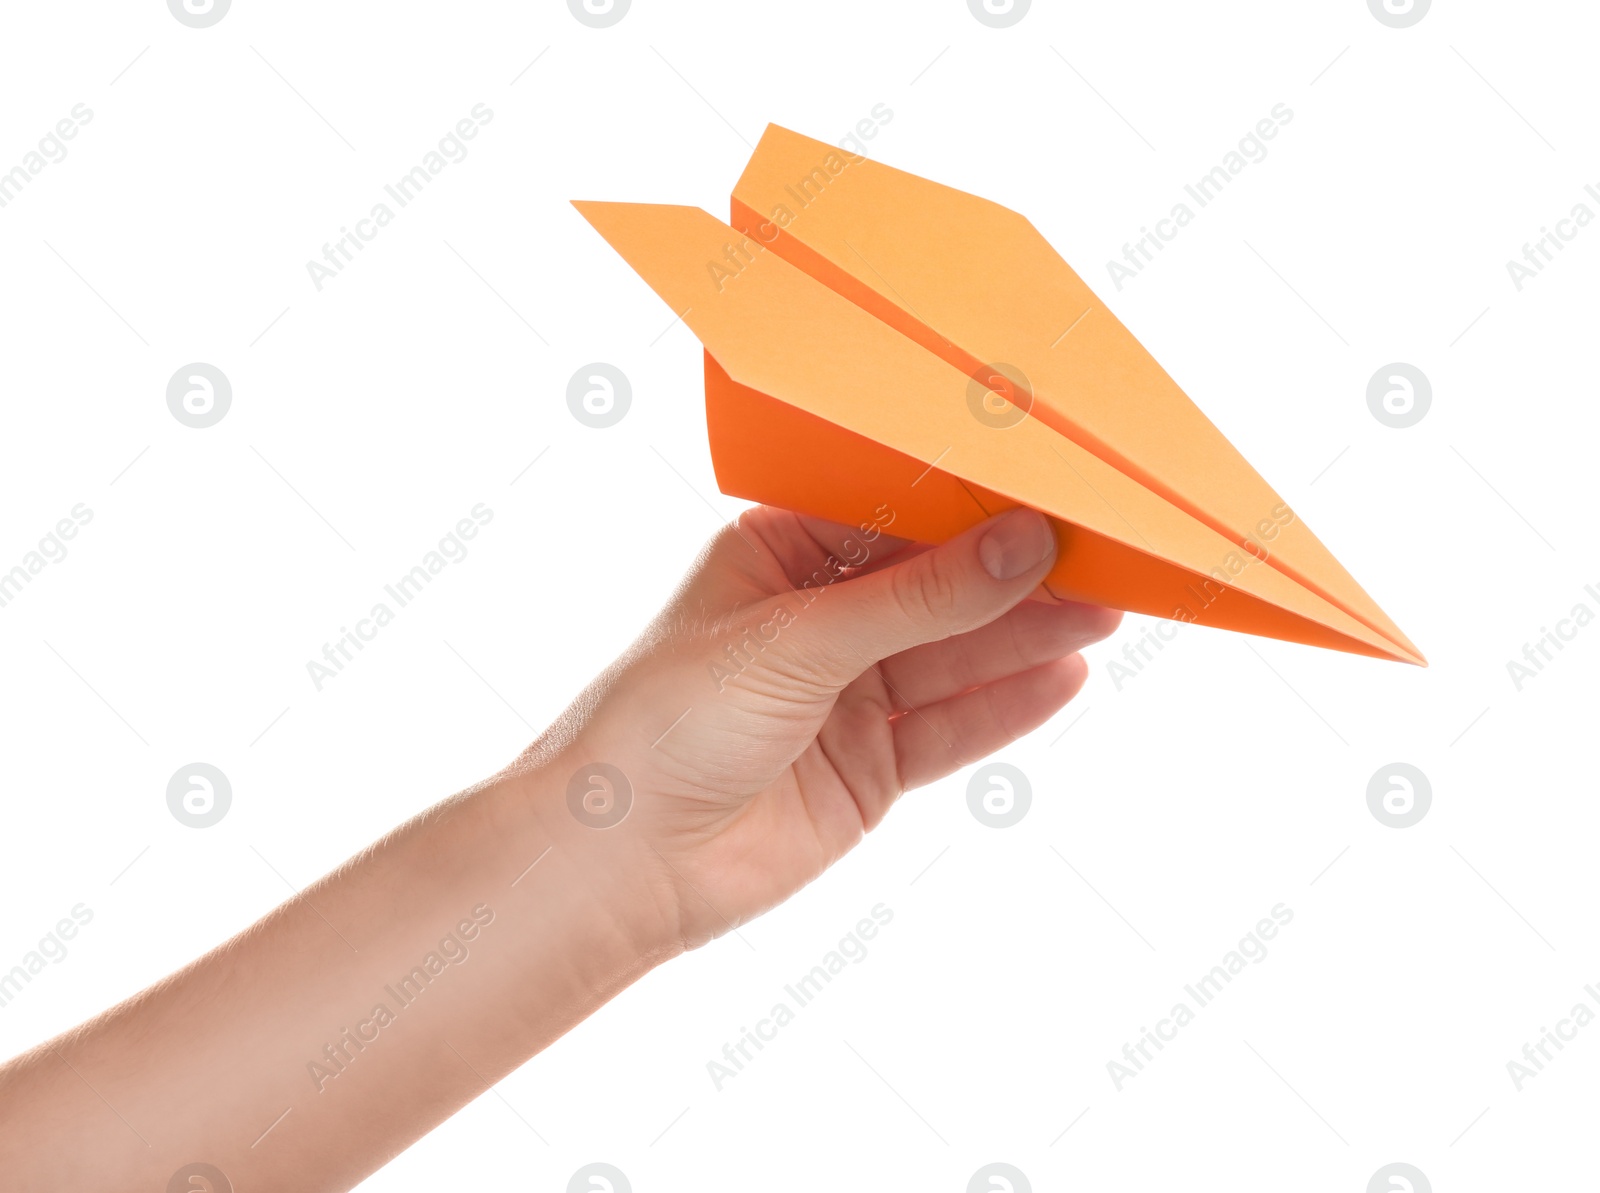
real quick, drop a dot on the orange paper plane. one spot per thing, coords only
(877, 344)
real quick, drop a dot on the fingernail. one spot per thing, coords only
(1019, 542)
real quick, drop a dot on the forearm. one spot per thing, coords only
(308, 1050)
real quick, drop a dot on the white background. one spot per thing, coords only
(1229, 776)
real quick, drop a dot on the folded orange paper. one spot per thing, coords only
(876, 343)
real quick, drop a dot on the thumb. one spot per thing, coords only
(955, 587)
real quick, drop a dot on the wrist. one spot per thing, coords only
(588, 862)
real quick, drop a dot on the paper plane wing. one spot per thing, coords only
(855, 395)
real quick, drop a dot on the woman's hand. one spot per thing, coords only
(799, 681)
(803, 676)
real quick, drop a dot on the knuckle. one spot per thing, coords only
(726, 538)
(927, 591)
(727, 549)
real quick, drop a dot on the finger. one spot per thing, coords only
(859, 546)
(909, 550)
(941, 738)
(833, 551)
(1028, 636)
(952, 588)
(767, 548)
(738, 564)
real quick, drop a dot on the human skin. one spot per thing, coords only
(840, 695)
